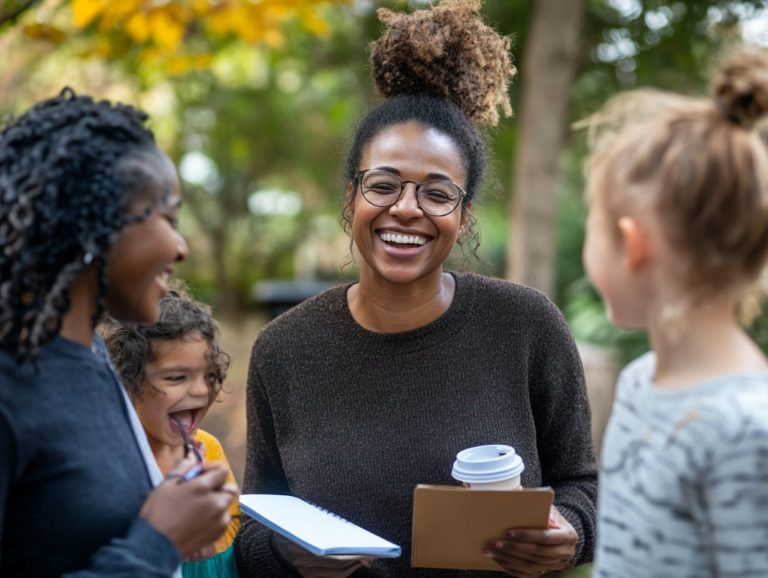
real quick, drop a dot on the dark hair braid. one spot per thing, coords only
(63, 196)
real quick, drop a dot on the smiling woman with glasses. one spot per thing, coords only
(359, 394)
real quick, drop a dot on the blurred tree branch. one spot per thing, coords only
(11, 10)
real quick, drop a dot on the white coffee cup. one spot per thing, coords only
(489, 467)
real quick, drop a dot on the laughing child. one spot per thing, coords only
(173, 371)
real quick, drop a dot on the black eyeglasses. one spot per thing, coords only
(383, 189)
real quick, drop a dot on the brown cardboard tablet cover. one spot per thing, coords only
(452, 524)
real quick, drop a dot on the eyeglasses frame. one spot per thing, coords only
(403, 182)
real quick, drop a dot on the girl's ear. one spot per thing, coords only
(637, 248)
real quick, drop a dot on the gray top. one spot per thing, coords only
(352, 420)
(684, 478)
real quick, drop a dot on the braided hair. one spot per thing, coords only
(69, 167)
(442, 67)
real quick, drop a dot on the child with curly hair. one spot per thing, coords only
(88, 213)
(173, 371)
(363, 392)
(677, 235)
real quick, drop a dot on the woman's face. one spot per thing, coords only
(418, 153)
(144, 255)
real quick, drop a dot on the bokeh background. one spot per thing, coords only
(255, 100)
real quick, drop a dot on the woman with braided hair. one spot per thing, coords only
(88, 210)
(359, 394)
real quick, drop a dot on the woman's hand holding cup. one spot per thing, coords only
(524, 553)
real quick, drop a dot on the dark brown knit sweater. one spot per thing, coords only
(352, 420)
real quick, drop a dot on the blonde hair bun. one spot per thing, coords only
(445, 51)
(741, 87)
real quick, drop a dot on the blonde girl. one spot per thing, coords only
(677, 234)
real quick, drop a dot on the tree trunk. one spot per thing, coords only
(549, 66)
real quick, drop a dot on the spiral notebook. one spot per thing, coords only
(315, 529)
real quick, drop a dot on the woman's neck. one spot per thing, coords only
(705, 342)
(393, 308)
(77, 323)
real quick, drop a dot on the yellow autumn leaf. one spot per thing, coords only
(149, 54)
(85, 11)
(202, 8)
(46, 32)
(273, 38)
(202, 61)
(178, 65)
(224, 20)
(316, 25)
(166, 32)
(113, 17)
(161, 27)
(137, 27)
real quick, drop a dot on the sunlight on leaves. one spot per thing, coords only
(182, 35)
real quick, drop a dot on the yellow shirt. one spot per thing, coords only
(215, 453)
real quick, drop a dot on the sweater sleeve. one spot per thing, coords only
(142, 553)
(263, 474)
(562, 414)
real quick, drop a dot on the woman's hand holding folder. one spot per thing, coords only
(530, 553)
(311, 566)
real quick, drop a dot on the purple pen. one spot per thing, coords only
(197, 469)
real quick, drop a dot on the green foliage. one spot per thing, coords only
(279, 118)
(669, 45)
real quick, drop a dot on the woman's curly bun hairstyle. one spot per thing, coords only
(741, 88)
(445, 51)
(445, 68)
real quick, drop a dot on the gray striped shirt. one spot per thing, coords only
(684, 479)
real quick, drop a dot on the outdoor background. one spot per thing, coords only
(255, 101)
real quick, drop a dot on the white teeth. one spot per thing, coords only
(403, 239)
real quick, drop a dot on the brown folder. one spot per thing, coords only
(452, 524)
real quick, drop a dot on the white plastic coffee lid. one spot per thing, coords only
(490, 463)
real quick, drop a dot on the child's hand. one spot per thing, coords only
(191, 514)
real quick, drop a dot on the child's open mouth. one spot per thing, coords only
(186, 418)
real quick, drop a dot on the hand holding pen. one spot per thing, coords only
(191, 507)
